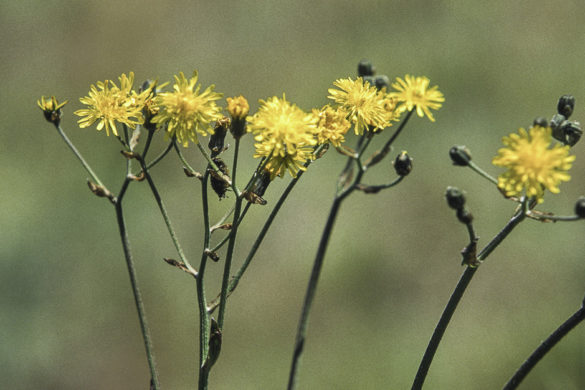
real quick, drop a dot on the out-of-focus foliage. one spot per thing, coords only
(67, 319)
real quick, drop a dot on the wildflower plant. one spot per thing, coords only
(536, 160)
(287, 141)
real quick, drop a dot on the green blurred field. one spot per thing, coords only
(67, 318)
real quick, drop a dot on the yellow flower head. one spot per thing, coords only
(51, 109)
(532, 164)
(285, 134)
(415, 92)
(110, 104)
(332, 125)
(238, 107)
(186, 111)
(366, 106)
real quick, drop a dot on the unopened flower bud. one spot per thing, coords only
(571, 132)
(216, 141)
(460, 155)
(382, 81)
(464, 216)
(540, 121)
(580, 207)
(51, 109)
(403, 164)
(150, 108)
(258, 188)
(455, 198)
(555, 124)
(238, 108)
(365, 68)
(218, 183)
(566, 105)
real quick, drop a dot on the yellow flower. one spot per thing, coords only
(331, 126)
(187, 111)
(366, 106)
(415, 92)
(110, 104)
(533, 165)
(285, 134)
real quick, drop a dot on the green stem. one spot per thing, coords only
(310, 294)
(227, 236)
(135, 289)
(456, 298)
(165, 215)
(160, 156)
(232, 242)
(79, 156)
(481, 172)
(544, 348)
(204, 325)
(238, 275)
(342, 193)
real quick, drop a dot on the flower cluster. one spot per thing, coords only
(532, 164)
(372, 109)
(285, 135)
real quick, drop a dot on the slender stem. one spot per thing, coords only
(442, 326)
(181, 157)
(398, 131)
(481, 172)
(342, 193)
(238, 275)
(136, 290)
(79, 156)
(232, 242)
(160, 156)
(310, 294)
(456, 297)
(204, 325)
(544, 348)
(222, 219)
(227, 236)
(166, 218)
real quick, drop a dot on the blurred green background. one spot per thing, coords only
(67, 318)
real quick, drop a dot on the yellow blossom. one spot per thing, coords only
(109, 104)
(186, 111)
(366, 106)
(533, 165)
(415, 92)
(283, 133)
(331, 126)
